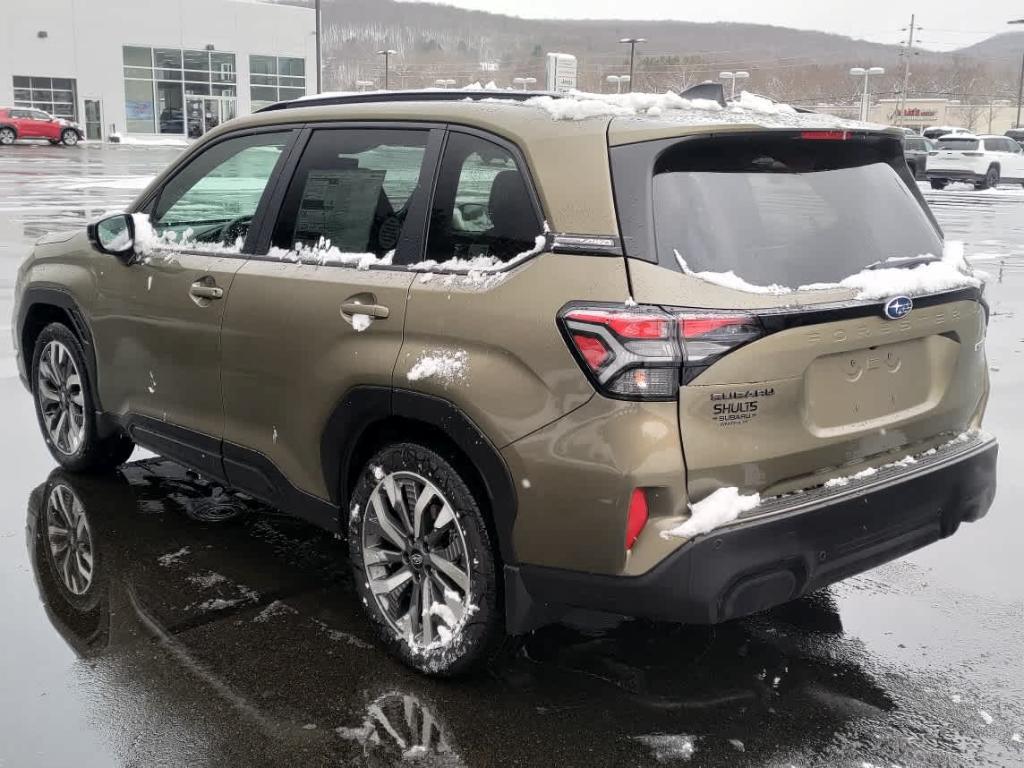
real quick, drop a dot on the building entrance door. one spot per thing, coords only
(207, 112)
(93, 119)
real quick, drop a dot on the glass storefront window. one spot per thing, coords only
(137, 57)
(55, 96)
(273, 78)
(185, 96)
(138, 106)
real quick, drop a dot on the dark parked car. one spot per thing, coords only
(916, 150)
(1017, 134)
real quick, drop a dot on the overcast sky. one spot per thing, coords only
(947, 23)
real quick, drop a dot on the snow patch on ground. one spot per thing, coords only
(446, 365)
(721, 507)
(171, 558)
(667, 747)
(209, 580)
(986, 717)
(276, 608)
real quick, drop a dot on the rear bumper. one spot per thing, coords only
(954, 175)
(771, 559)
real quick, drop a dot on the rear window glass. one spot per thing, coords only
(957, 143)
(786, 212)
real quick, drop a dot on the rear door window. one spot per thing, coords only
(784, 211)
(353, 190)
(482, 203)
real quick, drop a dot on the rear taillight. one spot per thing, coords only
(643, 353)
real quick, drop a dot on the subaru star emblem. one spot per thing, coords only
(898, 307)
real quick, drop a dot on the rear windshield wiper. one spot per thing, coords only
(912, 261)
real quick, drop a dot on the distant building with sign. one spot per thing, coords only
(994, 117)
(172, 67)
(560, 72)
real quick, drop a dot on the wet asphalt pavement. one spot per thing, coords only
(219, 633)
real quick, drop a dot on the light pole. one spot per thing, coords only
(733, 76)
(443, 82)
(866, 73)
(618, 80)
(319, 64)
(632, 42)
(387, 53)
(1020, 83)
(362, 85)
(524, 81)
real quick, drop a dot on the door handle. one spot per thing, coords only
(378, 311)
(203, 291)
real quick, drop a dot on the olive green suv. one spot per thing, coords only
(671, 360)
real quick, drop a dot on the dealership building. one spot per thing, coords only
(989, 117)
(154, 67)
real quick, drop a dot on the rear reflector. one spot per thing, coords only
(637, 517)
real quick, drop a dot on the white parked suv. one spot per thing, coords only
(984, 161)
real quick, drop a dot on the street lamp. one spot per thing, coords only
(866, 73)
(1020, 84)
(524, 81)
(632, 42)
(443, 82)
(733, 76)
(618, 80)
(387, 53)
(362, 85)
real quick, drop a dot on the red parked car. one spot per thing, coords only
(28, 123)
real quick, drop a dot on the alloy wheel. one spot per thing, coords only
(70, 539)
(61, 400)
(6, 136)
(416, 559)
(70, 138)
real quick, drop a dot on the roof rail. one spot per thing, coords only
(376, 97)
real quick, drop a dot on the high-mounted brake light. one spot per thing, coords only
(643, 353)
(825, 135)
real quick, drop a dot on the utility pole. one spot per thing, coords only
(387, 53)
(1020, 84)
(632, 41)
(319, 63)
(906, 70)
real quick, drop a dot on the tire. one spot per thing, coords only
(467, 630)
(991, 179)
(68, 137)
(938, 183)
(62, 390)
(7, 136)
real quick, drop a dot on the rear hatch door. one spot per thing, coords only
(956, 153)
(792, 260)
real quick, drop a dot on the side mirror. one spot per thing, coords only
(114, 235)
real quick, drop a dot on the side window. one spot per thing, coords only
(352, 190)
(482, 204)
(38, 115)
(214, 198)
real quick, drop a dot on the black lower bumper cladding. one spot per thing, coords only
(754, 565)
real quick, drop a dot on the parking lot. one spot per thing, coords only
(223, 642)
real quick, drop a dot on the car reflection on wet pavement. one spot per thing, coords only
(152, 618)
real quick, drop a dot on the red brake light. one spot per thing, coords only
(637, 517)
(825, 135)
(627, 325)
(692, 327)
(593, 350)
